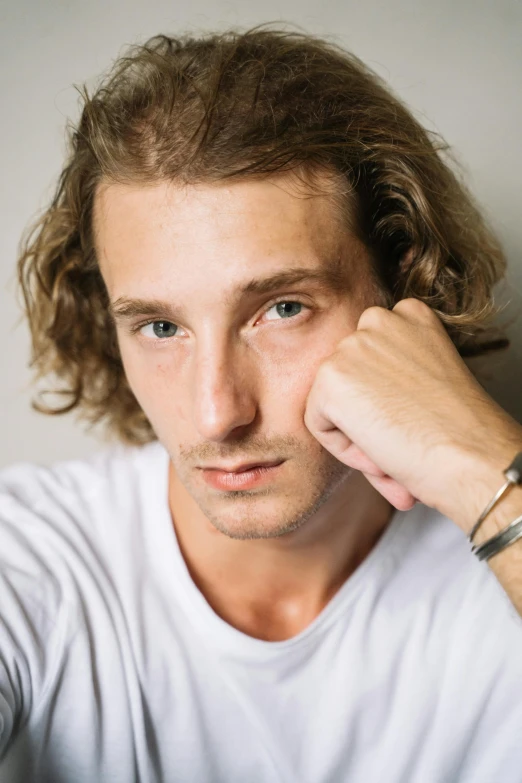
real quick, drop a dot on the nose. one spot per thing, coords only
(224, 396)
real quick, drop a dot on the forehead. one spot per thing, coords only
(191, 231)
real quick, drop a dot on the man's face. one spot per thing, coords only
(224, 370)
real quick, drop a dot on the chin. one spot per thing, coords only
(267, 518)
(248, 532)
(273, 511)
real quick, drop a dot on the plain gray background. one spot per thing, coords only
(457, 64)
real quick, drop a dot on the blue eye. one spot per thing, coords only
(160, 329)
(286, 309)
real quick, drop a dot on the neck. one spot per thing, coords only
(274, 588)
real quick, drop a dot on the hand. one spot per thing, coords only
(396, 401)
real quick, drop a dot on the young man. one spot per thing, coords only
(260, 273)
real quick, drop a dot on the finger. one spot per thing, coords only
(356, 458)
(336, 442)
(343, 449)
(416, 311)
(394, 492)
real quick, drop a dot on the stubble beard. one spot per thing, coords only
(326, 480)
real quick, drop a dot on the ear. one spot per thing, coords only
(406, 261)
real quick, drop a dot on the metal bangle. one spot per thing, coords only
(514, 476)
(497, 543)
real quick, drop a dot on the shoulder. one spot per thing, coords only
(52, 518)
(68, 551)
(30, 483)
(74, 488)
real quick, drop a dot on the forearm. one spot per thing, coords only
(478, 482)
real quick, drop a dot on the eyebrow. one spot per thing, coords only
(331, 279)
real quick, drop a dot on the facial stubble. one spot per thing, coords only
(327, 478)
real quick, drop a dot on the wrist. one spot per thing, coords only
(476, 478)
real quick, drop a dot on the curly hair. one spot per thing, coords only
(233, 105)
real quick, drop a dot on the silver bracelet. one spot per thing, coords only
(497, 543)
(513, 475)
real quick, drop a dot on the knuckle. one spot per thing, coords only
(415, 307)
(373, 315)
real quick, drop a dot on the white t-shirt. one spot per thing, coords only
(113, 667)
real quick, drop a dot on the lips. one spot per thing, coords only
(242, 467)
(248, 476)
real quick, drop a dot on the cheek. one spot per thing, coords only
(135, 372)
(153, 383)
(286, 383)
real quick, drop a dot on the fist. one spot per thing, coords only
(396, 401)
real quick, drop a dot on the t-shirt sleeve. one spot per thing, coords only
(31, 615)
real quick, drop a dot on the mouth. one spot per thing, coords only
(246, 476)
(243, 467)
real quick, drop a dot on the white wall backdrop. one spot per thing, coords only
(456, 63)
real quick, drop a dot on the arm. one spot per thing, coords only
(480, 484)
(8, 701)
(30, 620)
(19, 660)
(396, 401)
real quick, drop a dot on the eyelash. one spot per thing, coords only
(136, 327)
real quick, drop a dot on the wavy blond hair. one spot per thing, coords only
(233, 105)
